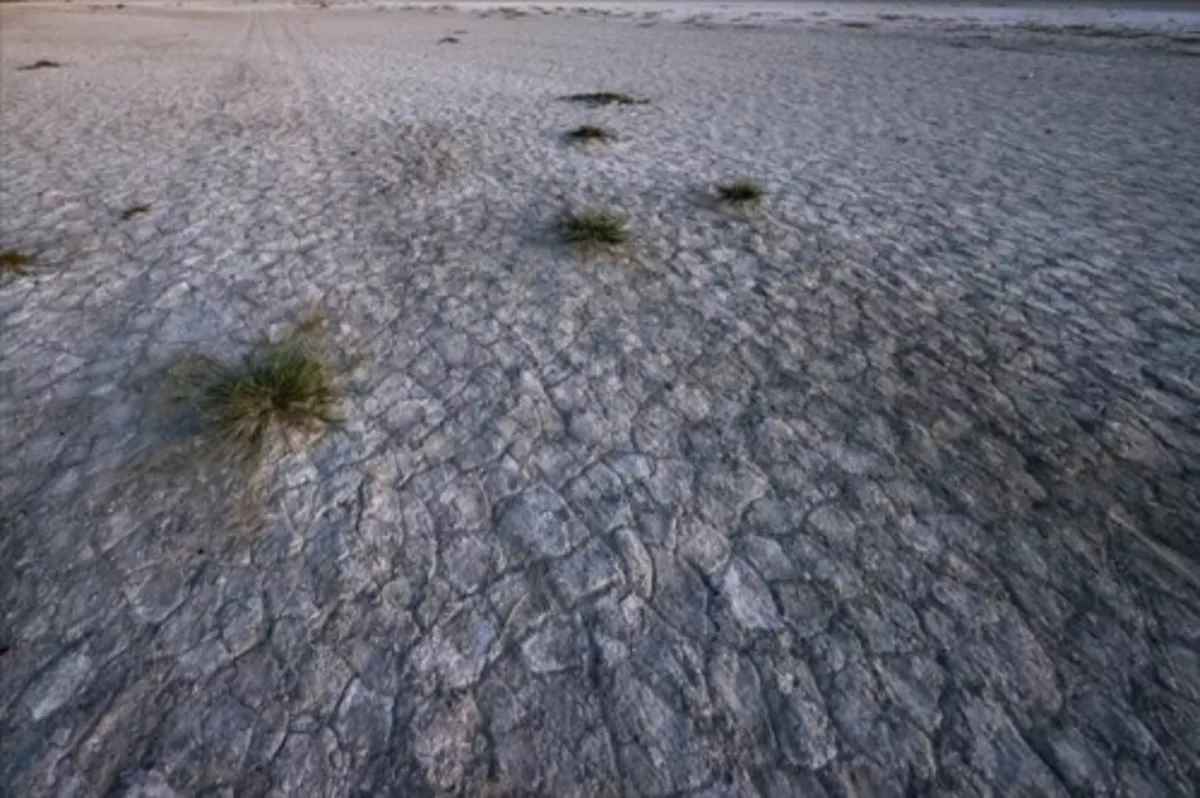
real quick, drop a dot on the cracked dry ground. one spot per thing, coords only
(886, 488)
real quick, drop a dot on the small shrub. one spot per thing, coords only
(14, 262)
(281, 387)
(594, 229)
(740, 192)
(598, 98)
(42, 63)
(134, 210)
(590, 133)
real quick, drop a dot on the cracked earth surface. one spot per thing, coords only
(888, 487)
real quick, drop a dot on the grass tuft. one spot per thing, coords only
(281, 387)
(14, 262)
(740, 192)
(134, 210)
(594, 229)
(591, 133)
(597, 98)
(41, 63)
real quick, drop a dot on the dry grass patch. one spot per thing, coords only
(590, 230)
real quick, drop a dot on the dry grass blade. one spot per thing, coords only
(594, 229)
(281, 387)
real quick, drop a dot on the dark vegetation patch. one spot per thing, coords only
(590, 133)
(42, 63)
(599, 98)
(740, 192)
(13, 261)
(590, 230)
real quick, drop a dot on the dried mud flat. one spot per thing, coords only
(888, 484)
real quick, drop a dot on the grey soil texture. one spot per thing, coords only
(887, 486)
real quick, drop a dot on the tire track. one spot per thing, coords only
(352, 192)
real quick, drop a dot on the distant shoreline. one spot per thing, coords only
(1153, 17)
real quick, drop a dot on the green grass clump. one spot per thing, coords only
(280, 387)
(740, 192)
(594, 229)
(14, 262)
(604, 98)
(590, 133)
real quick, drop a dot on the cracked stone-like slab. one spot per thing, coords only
(887, 486)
